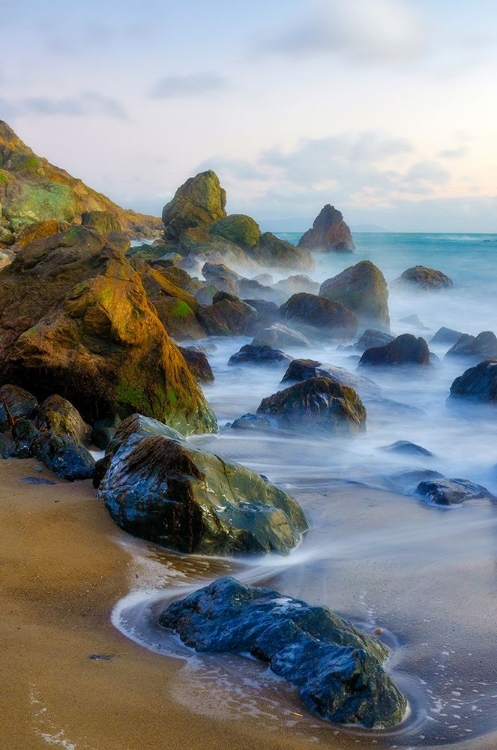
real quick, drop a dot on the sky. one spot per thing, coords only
(384, 108)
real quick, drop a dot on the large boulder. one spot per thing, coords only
(15, 403)
(92, 336)
(304, 369)
(451, 491)
(227, 316)
(446, 336)
(59, 416)
(476, 348)
(477, 384)
(259, 355)
(196, 204)
(371, 338)
(319, 316)
(102, 222)
(169, 492)
(297, 283)
(237, 228)
(336, 667)
(316, 406)
(329, 232)
(427, 279)
(404, 350)
(361, 288)
(279, 336)
(273, 252)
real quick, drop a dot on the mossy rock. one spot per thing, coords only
(361, 288)
(239, 229)
(102, 222)
(197, 203)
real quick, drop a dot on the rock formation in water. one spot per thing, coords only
(33, 190)
(304, 369)
(318, 316)
(427, 279)
(259, 355)
(477, 384)
(361, 288)
(329, 233)
(404, 350)
(451, 491)
(476, 348)
(336, 667)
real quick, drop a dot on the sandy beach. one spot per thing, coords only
(63, 568)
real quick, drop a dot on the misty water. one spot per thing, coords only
(427, 576)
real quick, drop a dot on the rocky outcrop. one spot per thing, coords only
(259, 355)
(427, 279)
(33, 190)
(280, 336)
(446, 336)
(316, 406)
(476, 348)
(477, 384)
(451, 491)
(239, 229)
(319, 316)
(92, 336)
(196, 204)
(337, 668)
(361, 288)
(167, 491)
(405, 447)
(304, 369)
(404, 350)
(329, 233)
(102, 222)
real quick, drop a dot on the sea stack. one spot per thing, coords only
(329, 233)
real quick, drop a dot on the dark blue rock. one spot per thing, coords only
(19, 403)
(452, 491)
(337, 668)
(477, 384)
(251, 422)
(260, 355)
(405, 446)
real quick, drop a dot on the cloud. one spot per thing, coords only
(364, 31)
(192, 84)
(88, 103)
(453, 153)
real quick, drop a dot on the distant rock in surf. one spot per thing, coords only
(278, 336)
(329, 233)
(404, 350)
(477, 384)
(304, 369)
(371, 338)
(446, 336)
(477, 348)
(423, 278)
(451, 491)
(260, 355)
(319, 317)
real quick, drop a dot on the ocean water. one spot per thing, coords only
(426, 575)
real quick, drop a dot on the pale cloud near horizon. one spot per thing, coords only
(191, 84)
(87, 103)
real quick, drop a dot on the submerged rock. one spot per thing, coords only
(251, 422)
(316, 406)
(329, 233)
(361, 288)
(406, 447)
(452, 491)
(478, 348)
(446, 336)
(372, 338)
(404, 350)
(259, 355)
(304, 369)
(319, 316)
(427, 279)
(280, 336)
(337, 668)
(167, 491)
(477, 384)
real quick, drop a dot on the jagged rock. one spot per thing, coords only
(361, 288)
(213, 272)
(477, 384)
(239, 229)
(276, 253)
(297, 283)
(406, 447)
(404, 350)
(19, 402)
(196, 204)
(92, 336)
(452, 491)
(329, 232)
(59, 416)
(336, 667)
(259, 355)
(102, 222)
(317, 405)
(414, 322)
(198, 363)
(319, 316)
(428, 279)
(304, 369)
(278, 336)
(174, 494)
(33, 190)
(372, 338)
(267, 312)
(227, 317)
(36, 231)
(477, 348)
(446, 336)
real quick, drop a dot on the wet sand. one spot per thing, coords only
(64, 565)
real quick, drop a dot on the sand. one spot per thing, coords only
(62, 570)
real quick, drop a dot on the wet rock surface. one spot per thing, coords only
(451, 491)
(318, 316)
(260, 355)
(404, 350)
(304, 369)
(361, 288)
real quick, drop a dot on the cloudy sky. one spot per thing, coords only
(385, 108)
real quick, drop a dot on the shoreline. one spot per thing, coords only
(63, 570)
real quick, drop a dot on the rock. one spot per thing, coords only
(215, 272)
(36, 231)
(384, 409)
(19, 402)
(239, 229)
(102, 222)
(7, 447)
(361, 288)
(59, 416)
(7, 237)
(414, 322)
(33, 190)
(317, 405)
(267, 312)
(304, 369)
(329, 232)
(198, 363)
(196, 204)
(477, 348)
(372, 338)
(406, 482)
(92, 336)
(104, 431)
(404, 350)
(250, 289)
(424, 278)
(276, 253)
(259, 355)
(477, 384)
(406, 447)
(319, 316)
(297, 283)
(335, 666)
(446, 336)
(228, 316)
(176, 495)
(452, 491)
(251, 422)
(278, 336)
